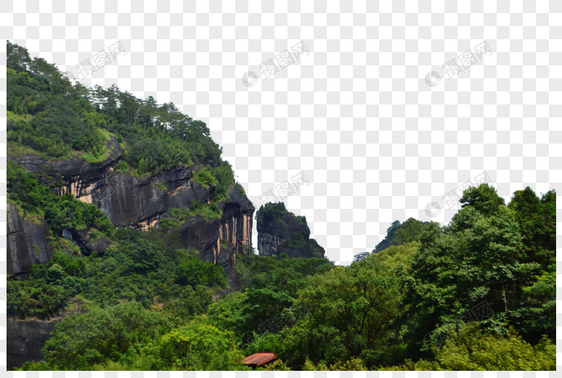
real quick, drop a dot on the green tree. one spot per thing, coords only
(472, 349)
(195, 272)
(351, 315)
(408, 231)
(476, 258)
(537, 220)
(483, 198)
(101, 335)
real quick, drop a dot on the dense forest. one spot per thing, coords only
(153, 305)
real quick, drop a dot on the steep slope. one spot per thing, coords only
(132, 202)
(280, 231)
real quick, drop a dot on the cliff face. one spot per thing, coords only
(134, 202)
(287, 235)
(26, 337)
(26, 243)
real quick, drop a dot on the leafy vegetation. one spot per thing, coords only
(156, 306)
(271, 212)
(32, 198)
(178, 216)
(59, 120)
(401, 233)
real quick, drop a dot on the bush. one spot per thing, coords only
(471, 349)
(167, 223)
(271, 212)
(205, 178)
(195, 272)
(122, 167)
(82, 340)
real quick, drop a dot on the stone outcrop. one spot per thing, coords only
(134, 202)
(288, 234)
(26, 337)
(26, 243)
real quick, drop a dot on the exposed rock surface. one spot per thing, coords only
(26, 243)
(129, 201)
(26, 337)
(275, 238)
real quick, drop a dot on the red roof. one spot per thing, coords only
(259, 358)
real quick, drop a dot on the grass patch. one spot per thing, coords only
(18, 117)
(205, 178)
(207, 211)
(122, 167)
(241, 188)
(161, 186)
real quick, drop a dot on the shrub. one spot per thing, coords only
(122, 167)
(271, 212)
(205, 178)
(195, 272)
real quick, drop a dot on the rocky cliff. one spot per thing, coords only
(26, 337)
(26, 243)
(287, 234)
(131, 202)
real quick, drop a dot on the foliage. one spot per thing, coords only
(401, 233)
(197, 346)
(537, 220)
(351, 310)
(361, 256)
(225, 181)
(408, 232)
(58, 120)
(271, 287)
(397, 254)
(479, 256)
(83, 340)
(483, 199)
(270, 212)
(204, 177)
(195, 272)
(60, 212)
(122, 167)
(207, 211)
(473, 350)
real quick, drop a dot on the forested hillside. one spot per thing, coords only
(476, 294)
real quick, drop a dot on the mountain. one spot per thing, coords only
(280, 231)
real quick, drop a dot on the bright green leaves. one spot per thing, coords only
(195, 272)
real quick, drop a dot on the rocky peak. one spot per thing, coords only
(280, 231)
